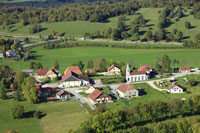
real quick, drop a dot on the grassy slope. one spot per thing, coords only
(26, 125)
(62, 115)
(78, 28)
(67, 56)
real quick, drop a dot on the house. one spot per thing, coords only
(89, 88)
(63, 95)
(28, 71)
(89, 71)
(135, 76)
(146, 68)
(53, 73)
(127, 91)
(184, 70)
(71, 79)
(112, 70)
(74, 69)
(1, 55)
(10, 53)
(48, 91)
(41, 73)
(98, 96)
(175, 88)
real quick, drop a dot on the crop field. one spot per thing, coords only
(67, 56)
(78, 28)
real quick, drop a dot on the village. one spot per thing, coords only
(75, 84)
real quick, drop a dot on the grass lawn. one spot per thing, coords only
(84, 94)
(105, 90)
(25, 125)
(62, 116)
(151, 95)
(67, 56)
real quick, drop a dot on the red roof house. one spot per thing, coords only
(74, 69)
(146, 68)
(184, 69)
(98, 96)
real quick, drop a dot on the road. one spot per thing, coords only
(39, 43)
(80, 98)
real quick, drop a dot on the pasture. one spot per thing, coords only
(68, 56)
(62, 115)
(78, 28)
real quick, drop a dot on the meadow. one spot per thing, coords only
(68, 56)
(78, 28)
(62, 115)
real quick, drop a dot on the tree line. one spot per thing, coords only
(133, 116)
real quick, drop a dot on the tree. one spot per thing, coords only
(29, 90)
(148, 35)
(135, 37)
(179, 36)
(26, 40)
(187, 25)
(80, 65)
(19, 79)
(37, 114)
(90, 64)
(55, 64)
(17, 112)
(2, 92)
(121, 23)
(163, 64)
(116, 34)
(197, 38)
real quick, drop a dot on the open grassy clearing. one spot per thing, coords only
(62, 115)
(25, 125)
(67, 56)
(78, 28)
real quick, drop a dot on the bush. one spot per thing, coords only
(37, 114)
(18, 112)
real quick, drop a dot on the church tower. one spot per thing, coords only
(127, 72)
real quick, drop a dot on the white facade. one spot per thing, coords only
(115, 70)
(138, 77)
(175, 89)
(73, 83)
(90, 90)
(128, 93)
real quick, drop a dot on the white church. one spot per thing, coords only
(136, 75)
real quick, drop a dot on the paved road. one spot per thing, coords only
(39, 43)
(81, 98)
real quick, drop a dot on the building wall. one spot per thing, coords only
(115, 70)
(90, 90)
(131, 78)
(175, 89)
(129, 93)
(52, 76)
(73, 83)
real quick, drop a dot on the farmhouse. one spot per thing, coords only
(71, 79)
(28, 71)
(135, 76)
(127, 91)
(175, 88)
(146, 68)
(48, 91)
(53, 73)
(114, 70)
(98, 96)
(63, 95)
(89, 88)
(184, 70)
(41, 73)
(74, 69)
(10, 53)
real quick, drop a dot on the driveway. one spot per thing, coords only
(79, 97)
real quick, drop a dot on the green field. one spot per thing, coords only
(67, 56)
(62, 115)
(78, 28)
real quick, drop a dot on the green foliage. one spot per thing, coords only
(55, 64)
(35, 29)
(35, 65)
(2, 92)
(37, 114)
(163, 64)
(17, 112)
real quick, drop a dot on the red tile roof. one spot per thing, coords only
(95, 94)
(145, 68)
(74, 69)
(53, 71)
(124, 87)
(184, 69)
(138, 73)
(88, 86)
(42, 72)
(174, 84)
(111, 67)
(89, 70)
